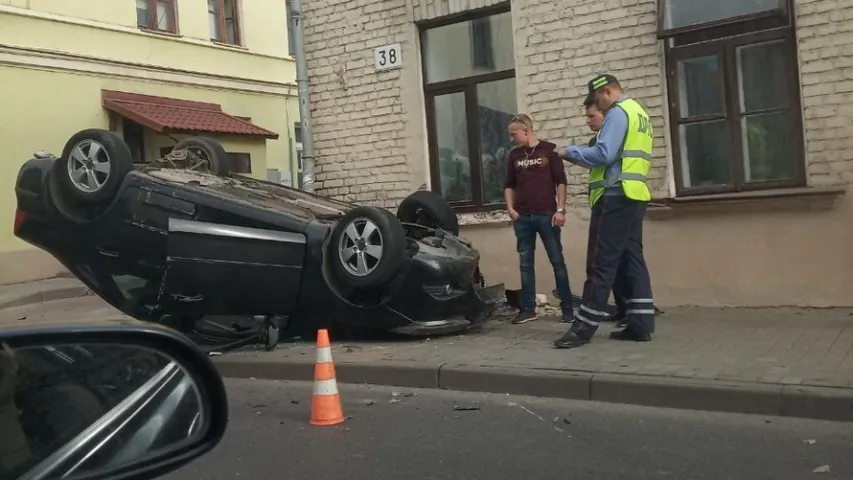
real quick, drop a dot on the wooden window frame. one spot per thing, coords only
(468, 86)
(725, 48)
(782, 10)
(172, 13)
(238, 24)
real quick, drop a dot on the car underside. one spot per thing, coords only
(184, 245)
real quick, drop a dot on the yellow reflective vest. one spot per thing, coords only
(636, 158)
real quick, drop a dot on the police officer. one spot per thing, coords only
(619, 165)
(594, 120)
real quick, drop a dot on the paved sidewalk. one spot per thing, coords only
(774, 346)
(790, 362)
(47, 290)
(785, 361)
(88, 310)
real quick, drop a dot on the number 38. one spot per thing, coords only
(389, 56)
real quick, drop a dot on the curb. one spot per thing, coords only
(822, 403)
(46, 296)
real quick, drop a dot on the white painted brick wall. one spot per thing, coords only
(358, 121)
(368, 126)
(360, 126)
(558, 50)
(825, 38)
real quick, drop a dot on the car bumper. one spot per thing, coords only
(481, 302)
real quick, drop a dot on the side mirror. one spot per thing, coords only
(105, 402)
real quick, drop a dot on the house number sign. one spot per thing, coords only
(388, 57)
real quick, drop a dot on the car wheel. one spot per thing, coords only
(200, 154)
(93, 165)
(368, 246)
(430, 210)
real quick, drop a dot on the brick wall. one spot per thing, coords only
(358, 120)
(368, 129)
(559, 50)
(825, 36)
(369, 136)
(369, 126)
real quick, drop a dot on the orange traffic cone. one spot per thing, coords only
(326, 402)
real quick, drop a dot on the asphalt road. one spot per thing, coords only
(420, 434)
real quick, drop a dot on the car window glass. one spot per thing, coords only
(52, 395)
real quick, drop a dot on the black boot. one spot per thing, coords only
(630, 335)
(579, 335)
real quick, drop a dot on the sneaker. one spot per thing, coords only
(568, 317)
(524, 317)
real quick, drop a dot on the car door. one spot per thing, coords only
(221, 269)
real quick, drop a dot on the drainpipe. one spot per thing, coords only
(304, 103)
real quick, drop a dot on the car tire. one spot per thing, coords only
(349, 247)
(429, 209)
(93, 165)
(217, 158)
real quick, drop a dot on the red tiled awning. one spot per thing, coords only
(170, 115)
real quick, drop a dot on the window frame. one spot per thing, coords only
(663, 32)
(726, 50)
(172, 12)
(468, 86)
(238, 24)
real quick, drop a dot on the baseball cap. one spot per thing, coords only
(598, 82)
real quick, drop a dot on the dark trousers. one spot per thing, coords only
(620, 288)
(526, 228)
(615, 251)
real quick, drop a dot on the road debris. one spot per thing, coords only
(822, 469)
(470, 408)
(403, 394)
(295, 402)
(368, 402)
(810, 442)
(562, 419)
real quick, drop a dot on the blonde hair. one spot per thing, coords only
(523, 119)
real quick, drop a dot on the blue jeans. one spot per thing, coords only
(526, 228)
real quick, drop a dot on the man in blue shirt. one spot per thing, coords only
(595, 120)
(615, 235)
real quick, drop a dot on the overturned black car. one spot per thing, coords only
(177, 244)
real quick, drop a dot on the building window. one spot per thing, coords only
(297, 137)
(681, 15)
(240, 162)
(733, 95)
(134, 136)
(157, 15)
(470, 99)
(224, 18)
(291, 48)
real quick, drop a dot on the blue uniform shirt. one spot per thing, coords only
(608, 150)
